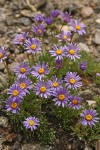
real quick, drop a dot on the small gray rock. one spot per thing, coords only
(38, 3)
(3, 15)
(27, 13)
(84, 47)
(86, 12)
(3, 121)
(25, 21)
(3, 79)
(96, 39)
(2, 2)
(2, 66)
(12, 66)
(33, 147)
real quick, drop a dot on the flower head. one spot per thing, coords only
(24, 84)
(73, 51)
(78, 27)
(55, 13)
(20, 38)
(3, 54)
(58, 63)
(22, 70)
(55, 84)
(75, 102)
(33, 45)
(64, 36)
(61, 97)
(13, 105)
(73, 80)
(39, 29)
(83, 65)
(38, 18)
(57, 52)
(48, 20)
(31, 123)
(16, 92)
(40, 70)
(89, 117)
(42, 89)
(98, 74)
(66, 17)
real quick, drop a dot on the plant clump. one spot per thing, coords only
(43, 93)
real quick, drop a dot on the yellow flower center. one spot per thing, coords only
(15, 92)
(31, 122)
(75, 101)
(33, 46)
(61, 97)
(41, 71)
(72, 81)
(40, 31)
(14, 105)
(22, 70)
(20, 39)
(72, 52)
(88, 117)
(65, 37)
(55, 84)
(58, 51)
(1, 55)
(43, 89)
(22, 85)
(77, 27)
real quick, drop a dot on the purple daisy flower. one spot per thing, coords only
(58, 63)
(38, 18)
(66, 17)
(48, 20)
(64, 36)
(13, 105)
(75, 102)
(89, 117)
(25, 84)
(73, 80)
(20, 38)
(58, 52)
(72, 51)
(3, 54)
(39, 29)
(22, 70)
(33, 45)
(55, 84)
(40, 70)
(42, 89)
(83, 65)
(31, 123)
(98, 74)
(16, 92)
(55, 13)
(78, 27)
(61, 97)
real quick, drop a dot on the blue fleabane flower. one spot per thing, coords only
(61, 97)
(31, 123)
(40, 70)
(72, 80)
(22, 70)
(57, 52)
(33, 45)
(89, 117)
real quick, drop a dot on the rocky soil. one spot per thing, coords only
(15, 17)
